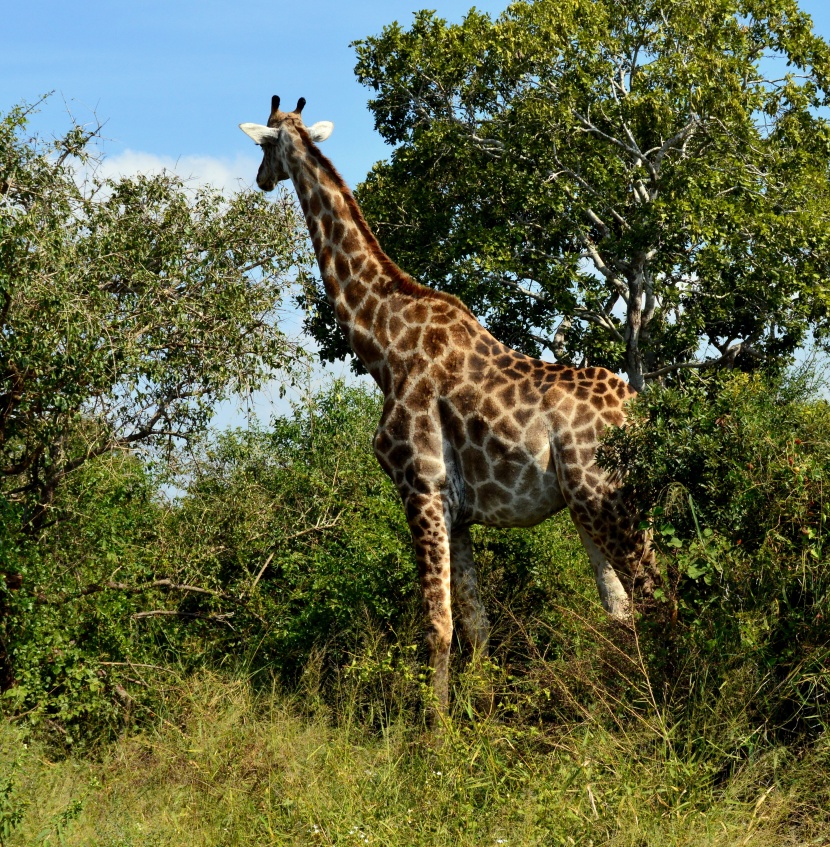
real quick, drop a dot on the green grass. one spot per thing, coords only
(225, 766)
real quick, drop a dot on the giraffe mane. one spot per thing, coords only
(402, 281)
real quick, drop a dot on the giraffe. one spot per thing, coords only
(471, 431)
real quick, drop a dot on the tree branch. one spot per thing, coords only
(727, 358)
(172, 613)
(96, 587)
(682, 135)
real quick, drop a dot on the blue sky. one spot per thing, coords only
(173, 78)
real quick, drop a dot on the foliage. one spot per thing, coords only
(640, 184)
(12, 809)
(128, 307)
(283, 564)
(69, 634)
(302, 524)
(284, 541)
(733, 473)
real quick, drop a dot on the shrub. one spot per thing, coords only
(64, 620)
(301, 524)
(733, 473)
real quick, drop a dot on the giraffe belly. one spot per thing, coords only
(516, 491)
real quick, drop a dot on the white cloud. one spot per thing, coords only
(229, 175)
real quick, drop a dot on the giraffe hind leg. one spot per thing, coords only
(612, 593)
(471, 614)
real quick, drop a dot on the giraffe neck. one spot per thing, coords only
(359, 277)
(347, 251)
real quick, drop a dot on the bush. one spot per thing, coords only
(68, 616)
(732, 473)
(285, 543)
(301, 524)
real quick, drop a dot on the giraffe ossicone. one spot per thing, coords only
(471, 432)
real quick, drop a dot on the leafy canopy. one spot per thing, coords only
(127, 307)
(639, 184)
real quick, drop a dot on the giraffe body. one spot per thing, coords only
(472, 432)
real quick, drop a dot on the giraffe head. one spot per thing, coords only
(279, 138)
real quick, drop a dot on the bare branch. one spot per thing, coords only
(727, 358)
(679, 138)
(258, 576)
(594, 254)
(96, 587)
(137, 665)
(564, 170)
(522, 290)
(318, 527)
(545, 342)
(172, 613)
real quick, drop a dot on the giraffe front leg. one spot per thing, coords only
(428, 524)
(475, 625)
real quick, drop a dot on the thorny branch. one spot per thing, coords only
(125, 588)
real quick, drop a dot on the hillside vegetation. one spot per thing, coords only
(279, 698)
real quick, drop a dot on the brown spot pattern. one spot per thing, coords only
(472, 432)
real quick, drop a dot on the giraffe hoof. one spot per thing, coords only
(621, 614)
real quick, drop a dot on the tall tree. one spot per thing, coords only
(640, 184)
(127, 307)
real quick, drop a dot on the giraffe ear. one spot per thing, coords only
(320, 131)
(260, 134)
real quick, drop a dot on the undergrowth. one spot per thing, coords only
(226, 765)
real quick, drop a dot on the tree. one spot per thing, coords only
(640, 184)
(127, 307)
